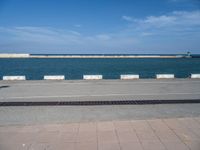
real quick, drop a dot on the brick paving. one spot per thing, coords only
(151, 134)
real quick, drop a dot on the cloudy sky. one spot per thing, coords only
(99, 26)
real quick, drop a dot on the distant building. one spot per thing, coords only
(188, 54)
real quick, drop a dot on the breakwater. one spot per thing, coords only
(90, 56)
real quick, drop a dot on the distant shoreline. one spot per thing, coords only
(90, 56)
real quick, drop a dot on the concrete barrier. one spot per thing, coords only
(165, 76)
(195, 76)
(129, 76)
(14, 78)
(54, 77)
(92, 77)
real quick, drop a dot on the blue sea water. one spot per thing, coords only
(74, 68)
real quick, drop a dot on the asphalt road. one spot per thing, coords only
(82, 90)
(96, 90)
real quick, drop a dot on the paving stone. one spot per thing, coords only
(4, 136)
(40, 146)
(158, 125)
(26, 137)
(153, 145)
(131, 146)
(86, 146)
(105, 126)
(10, 128)
(47, 137)
(62, 146)
(146, 135)
(141, 125)
(34, 128)
(197, 119)
(189, 123)
(174, 124)
(69, 127)
(107, 136)
(193, 145)
(18, 137)
(14, 146)
(87, 127)
(108, 146)
(167, 135)
(175, 145)
(123, 126)
(127, 136)
(52, 127)
(68, 136)
(87, 136)
(186, 135)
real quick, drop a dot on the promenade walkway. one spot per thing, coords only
(151, 134)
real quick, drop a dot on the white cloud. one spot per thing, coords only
(147, 32)
(160, 20)
(181, 1)
(40, 38)
(77, 25)
(187, 18)
(177, 0)
(127, 18)
(173, 20)
(41, 34)
(103, 37)
(74, 32)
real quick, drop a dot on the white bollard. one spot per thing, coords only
(165, 76)
(92, 77)
(54, 77)
(14, 78)
(129, 76)
(195, 76)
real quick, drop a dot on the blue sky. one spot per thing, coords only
(99, 26)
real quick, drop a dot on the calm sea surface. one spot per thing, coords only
(74, 68)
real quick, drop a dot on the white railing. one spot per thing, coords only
(165, 76)
(99, 77)
(14, 78)
(92, 77)
(54, 77)
(195, 76)
(129, 76)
